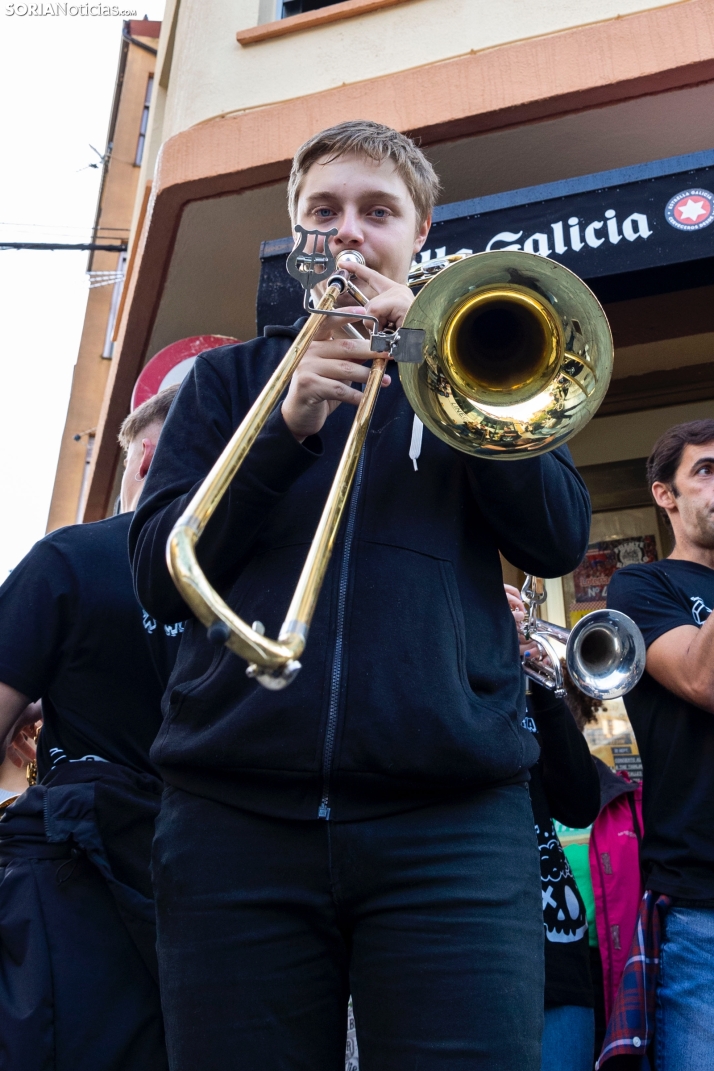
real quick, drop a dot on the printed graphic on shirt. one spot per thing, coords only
(57, 757)
(151, 624)
(351, 1051)
(700, 610)
(563, 911)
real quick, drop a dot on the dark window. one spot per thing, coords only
(297, 7)
(144, 122)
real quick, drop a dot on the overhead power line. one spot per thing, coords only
(93, 246)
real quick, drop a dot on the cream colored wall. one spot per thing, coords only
(218, 76)
(554, 605)
(213, 279)
(617, 438)
(666, 354)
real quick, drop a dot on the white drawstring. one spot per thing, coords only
(415, 444)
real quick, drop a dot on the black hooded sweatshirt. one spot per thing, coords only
(410, 688)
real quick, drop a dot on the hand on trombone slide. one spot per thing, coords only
(333, 363)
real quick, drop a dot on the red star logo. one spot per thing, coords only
(692, 209)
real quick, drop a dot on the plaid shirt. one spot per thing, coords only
(631, 1026)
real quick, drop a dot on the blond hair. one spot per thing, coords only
(377, 142)
(153, 411)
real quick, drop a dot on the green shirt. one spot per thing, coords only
(576, 845)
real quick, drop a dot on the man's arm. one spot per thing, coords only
(680, 656)
(539, 508)
(682, 661)
(12, 704)
(37, 605)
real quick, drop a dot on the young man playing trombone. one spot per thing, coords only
(367, 830)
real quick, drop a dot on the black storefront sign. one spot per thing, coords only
(637, 230)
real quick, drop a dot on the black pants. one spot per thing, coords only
(75, 995)
(431, 919)
(78, 974)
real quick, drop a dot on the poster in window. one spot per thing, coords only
(591, 578)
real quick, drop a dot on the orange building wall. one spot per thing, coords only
(91, 371)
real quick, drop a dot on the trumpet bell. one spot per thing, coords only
(605, 654)
(517, 355)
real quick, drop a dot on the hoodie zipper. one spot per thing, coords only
(336, 677)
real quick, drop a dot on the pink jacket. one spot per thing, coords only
(615, 871)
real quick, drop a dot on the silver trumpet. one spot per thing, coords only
(604, 651)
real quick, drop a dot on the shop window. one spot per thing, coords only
(617, 538)
(298, 7)
(626, 528)
(144, 122)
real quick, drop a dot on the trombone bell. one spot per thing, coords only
(516, 355)
(502, 344)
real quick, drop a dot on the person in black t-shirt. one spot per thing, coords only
(672, 714)
(78, 978)
(564, 786)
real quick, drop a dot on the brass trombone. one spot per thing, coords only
(501, 355)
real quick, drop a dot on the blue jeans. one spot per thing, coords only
(685, 992)
(432, 919)
(568, 1039)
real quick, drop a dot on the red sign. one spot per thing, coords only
(172, 363)
(591, 578)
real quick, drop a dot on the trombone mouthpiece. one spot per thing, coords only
(343, 259)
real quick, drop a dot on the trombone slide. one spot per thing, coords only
(273, 663)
